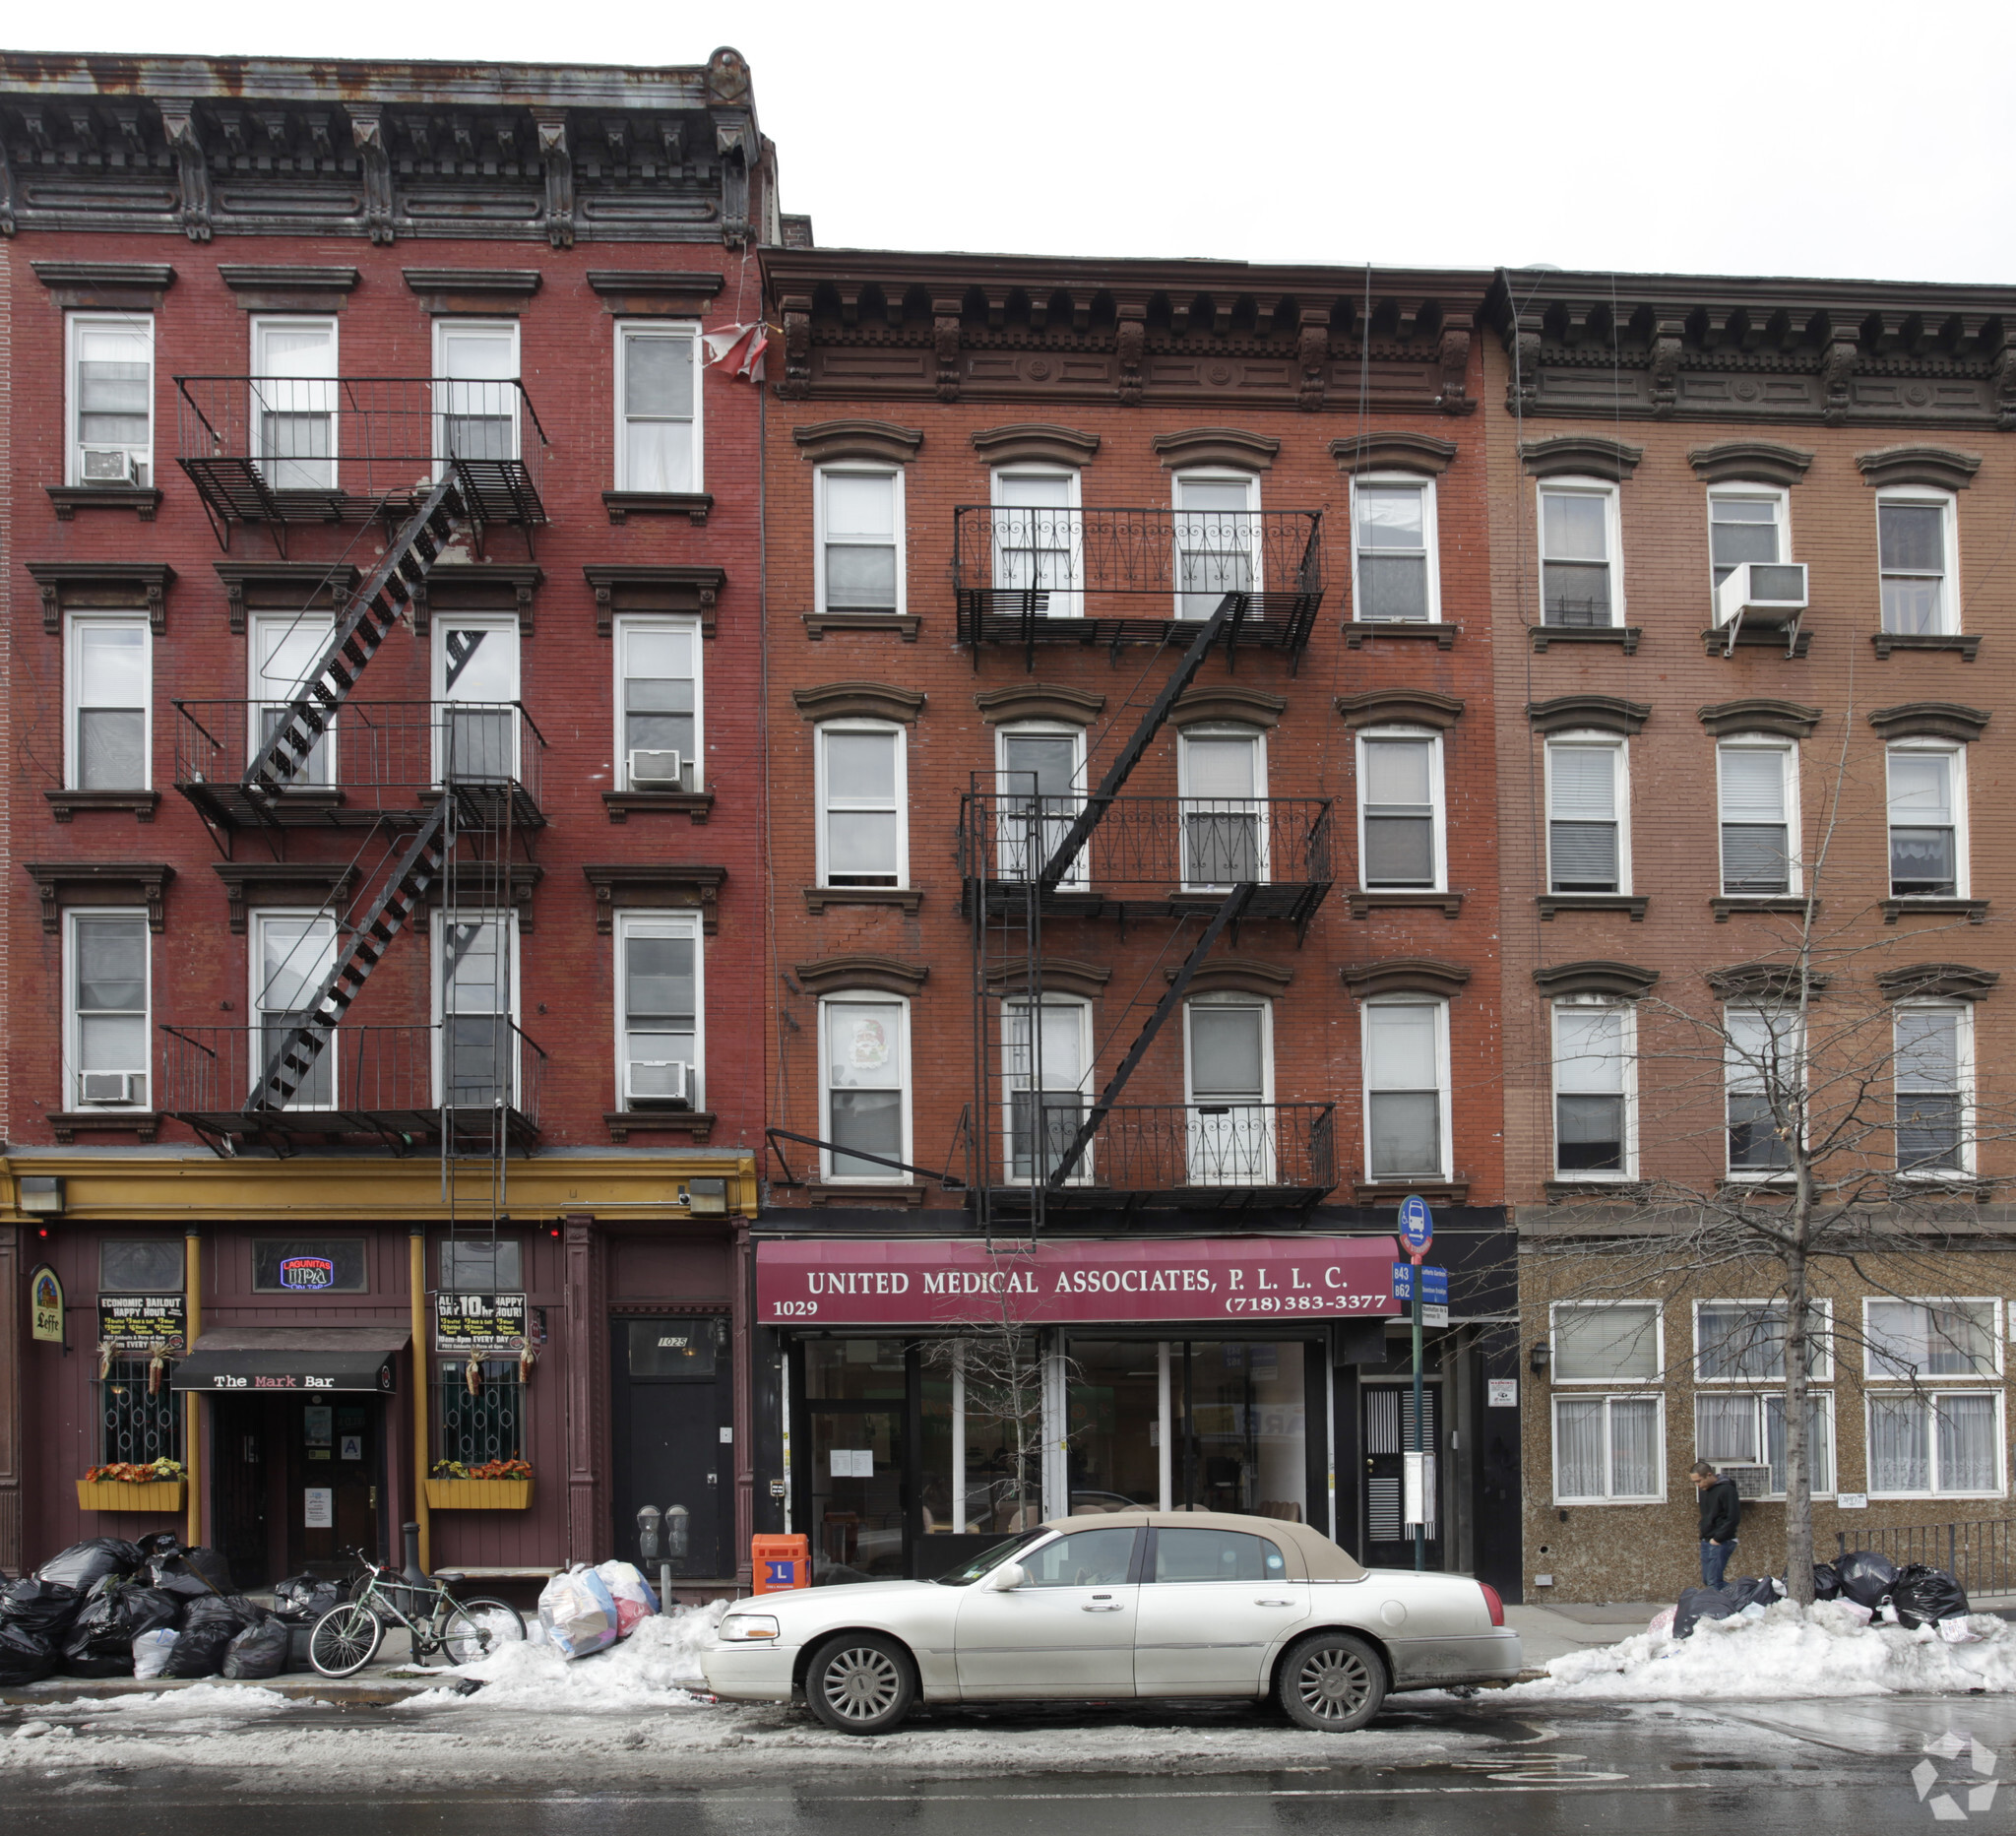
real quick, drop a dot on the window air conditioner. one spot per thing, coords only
(1752, 1482)
(123, 1088)
(657, 1084)
(655, 769)
(1762, 592)
(110, 464)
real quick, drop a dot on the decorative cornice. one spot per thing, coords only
(873, 701)
(1039, 701)
(1929, 720)
(1945, 981)
(1749, 461)
(1033, 442)
(1939, 467)
(479, 586)
(833, 974)
(109, 586)
(1597, 976)
(1400, 706)
(694, 506)
(1217, 446)
(645, 293)
(522, 880)
(1055, 975)
(666, 588)
(252, 882)
(95, 882)
(287, 286)
(1775, 983)
(881, 441)
(1393, 450)
(282, 586)
(1580, 455)
(1607, 714)
(1228, 701)
(128, 287)
(473, 289)
(68, 499)
(1237, 975)
(1786, 718)
(647, 885)
(1404, 975)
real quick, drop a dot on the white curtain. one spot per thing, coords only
(1579, 1462)
(1634, 1447)
(1899, 1454)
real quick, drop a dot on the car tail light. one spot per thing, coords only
(1496, 1606)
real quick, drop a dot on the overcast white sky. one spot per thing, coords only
(1850, 139)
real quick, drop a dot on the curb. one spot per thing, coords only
(58, 1692)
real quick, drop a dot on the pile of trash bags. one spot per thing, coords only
(585, 1610)
(1912, 1596)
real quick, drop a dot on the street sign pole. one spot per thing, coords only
(1417, 1228)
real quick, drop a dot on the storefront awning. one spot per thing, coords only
(961, 1282)
(236, 1360)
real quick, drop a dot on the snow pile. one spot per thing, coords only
(656, 1667)
(197, 1699)
(1784, 1652)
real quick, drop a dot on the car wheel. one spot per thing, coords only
(860, 1682)
(1330, 1682)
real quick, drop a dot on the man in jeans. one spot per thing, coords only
(1720, 1512)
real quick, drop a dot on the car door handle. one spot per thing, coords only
(1274, 1602)
(1101, 1603)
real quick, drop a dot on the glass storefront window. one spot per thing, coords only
(982, 1436)
(852, 1371)
(1247, 1428)
(1116, 1421)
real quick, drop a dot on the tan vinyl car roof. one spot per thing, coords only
(1310, 1555)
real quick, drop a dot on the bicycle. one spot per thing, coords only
(346, 1637)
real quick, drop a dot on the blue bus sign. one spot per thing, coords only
(1435, 1285)
(1416, 1225)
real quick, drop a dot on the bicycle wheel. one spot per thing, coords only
(344, 1640)
(474, 1628)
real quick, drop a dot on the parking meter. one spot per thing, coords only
(648, 1522)
(679, 1529)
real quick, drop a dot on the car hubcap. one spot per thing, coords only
(1333, 1685)
(862, 1684)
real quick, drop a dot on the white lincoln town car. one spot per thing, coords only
(1130, 1603)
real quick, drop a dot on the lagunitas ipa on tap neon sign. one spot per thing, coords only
(307, 1272)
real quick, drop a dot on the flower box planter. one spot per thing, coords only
(479, 1494)
(118, 1495)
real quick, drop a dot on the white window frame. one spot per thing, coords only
(1258, 1155)
(74, 625)
(1628, 1013)
(1063, 602)
(1607, 1397)
(1438, 801)
(1873, 1373)
(821, 810)
(1965, 1068)
(1444, 1091)
(688, 923)
(437, 996)
(1928, 1399)
(693, 776)
(1431, 539)
(1256, 546)
(72, 1029)
(1792, 1040)
(442, 698)
(1614, 536)
(1948, 622)
(1621, 1384)
(895, 475)
(259, 695)
(901, 1006)
(1962, 877)
(444, 330)
(1823, 1401)
(1742, 490)
(1820, 1341)
(1794, 835)
(1262, 809)
(1082, 1174)
(667, 329)
(262, 324)
(73, 438)
(1588, 739)
(255, 993)
(1011, 838)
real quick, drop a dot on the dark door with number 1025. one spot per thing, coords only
(672, 1407)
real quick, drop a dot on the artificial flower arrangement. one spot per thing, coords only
(514, 1468)
(126, 1473)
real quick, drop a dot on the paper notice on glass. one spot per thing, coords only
(854, 1463)
(321, 1513)
(1502, 1393)
(1413, 1507)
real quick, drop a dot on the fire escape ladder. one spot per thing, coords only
(1229, 912)
(1229, 609)
(379, 602)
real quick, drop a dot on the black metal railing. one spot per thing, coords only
(1277, 1151)
(1980, 1556)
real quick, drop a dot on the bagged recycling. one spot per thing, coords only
(258, 1652)
(1867, 1577)
(303, 1600)
(633, 1594)
(44, 1608)
(190, 1572)
(151, 1650)
(1701, 1602)
(116, 1612)
(1925, 1596)
(24, 1656)
(1826, 1581)
(1958, 1632)
(578, 1614)
(1662, 1625)
(83, 1564)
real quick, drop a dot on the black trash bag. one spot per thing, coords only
(101, 1640)
(231, 1610)
(83, 1565)
(258, 1652)
(190, 1572)
(1826, 1581)
(162, 1543)
(1866, 1578)
(24, 1656)
(1925, 1596)
(303, 1600)
(199, 1649)
(1701, 1602)
(1751, 1591)
(44, 1608)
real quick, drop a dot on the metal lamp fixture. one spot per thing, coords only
(707, 1198)
(1538, 1358)
(40, 1194)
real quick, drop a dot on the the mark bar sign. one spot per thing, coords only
(143, 1322)
(479, 1322)
(903, 1282)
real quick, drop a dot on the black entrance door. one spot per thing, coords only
(673, 1403)
(334, 1464)
(243, 1509)
(1389, 1436)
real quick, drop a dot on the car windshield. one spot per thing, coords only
(966, 1574)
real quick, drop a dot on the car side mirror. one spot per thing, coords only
(1004, 1580)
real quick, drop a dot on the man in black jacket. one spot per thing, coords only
(1720, 1512)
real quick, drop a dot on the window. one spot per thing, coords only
(108, 1034)
(1229, 1059)
(863, 823)
(294, 407)
(109, 713)
(657, 417)
(1040, 539)
(1218, 539)
(1928, 835)
(1765, 1073)
(1407, 1084)
(488, 1424)
(657, 701)
(1947, 1443)
(1758, 789)
(476, 406)
(1607, 1341)
(1743, 1340)
(1041, 789)
(1744, 524)
(1052, 1090)
(1911, 1340)
(475, 1010)
(1394, 551)
(111, 400)
(285, 649)
(1610, 1449)
(1587, 796)
(1595, 1066)
(1223, 777)
(137, 1424)
(1400, 812)
(1914, 539)
(1733, 1429)
(1935, 1073)
(864, 1078)
(1084, 1559)
(1182, 1555)
(293, 1265)
(860, 537)
(291, 954)
(140, 1265)
(1578, 549)
(483, 1268)
(475, 689)
(659, 1009)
